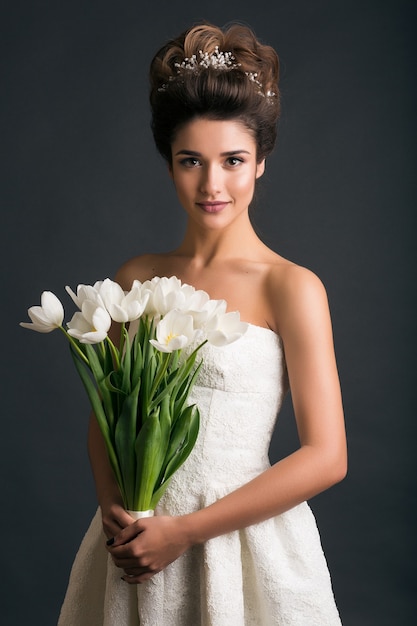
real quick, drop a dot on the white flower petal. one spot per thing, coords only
(78, 325)
(118, 313)
(101, 320)
(134, 302)
(38, 316)
(86, 292)
(225, 328)
(39, 328)
(218, 338)
(111, 293)
(48, 316)
(52, 307)
(93, 337)
(91, 325)
(204, 317)
(174, 331)
(170, 345)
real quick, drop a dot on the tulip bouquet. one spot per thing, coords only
(139, 386)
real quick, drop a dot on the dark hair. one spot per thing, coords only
(246, 91)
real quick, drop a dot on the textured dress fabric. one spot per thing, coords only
(270, 574)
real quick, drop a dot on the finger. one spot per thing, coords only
(124, 518)
(135, 571)
(129, 564)
(113, 525)
(111, 528)
(127, 534)
(137, 580)
(125, 552)
(131, 580)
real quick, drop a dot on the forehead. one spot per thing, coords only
(205, 135)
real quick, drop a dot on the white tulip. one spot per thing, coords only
(225, 328)
(173, 332)
(48, 316)
(167, 294)
(122, 306)
(110, 292)
(87, 292)
(91, 325)
(206, 310)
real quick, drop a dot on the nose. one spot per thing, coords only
(211, 180)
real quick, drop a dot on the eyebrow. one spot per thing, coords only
(223, 154)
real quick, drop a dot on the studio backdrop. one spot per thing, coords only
(83, 190)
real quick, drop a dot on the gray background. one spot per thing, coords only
(83, 190)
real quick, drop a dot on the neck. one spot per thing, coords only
(206, 246)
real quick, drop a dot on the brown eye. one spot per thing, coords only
(190, 162)
(233, 161)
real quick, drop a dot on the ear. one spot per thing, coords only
(260, 168)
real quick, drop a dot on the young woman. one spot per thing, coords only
(233, 540)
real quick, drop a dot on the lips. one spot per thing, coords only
(212, 207)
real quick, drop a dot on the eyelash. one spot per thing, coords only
(189, 162)
(235, 158)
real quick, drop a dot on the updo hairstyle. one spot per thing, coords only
(247, 90)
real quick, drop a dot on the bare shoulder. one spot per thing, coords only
(296, 294)
(143, 267)
(288, 280)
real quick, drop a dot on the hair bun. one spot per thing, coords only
(219, 73)
(251, 56)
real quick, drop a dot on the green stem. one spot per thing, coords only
(198, 347)
(115, 352)
(166, 358)
(122, 338)
(75, 345)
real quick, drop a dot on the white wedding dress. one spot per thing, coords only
(269, 574)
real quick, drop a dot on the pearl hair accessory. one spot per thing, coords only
(217, 60)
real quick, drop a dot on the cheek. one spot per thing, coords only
(244, 184)
(180, 183)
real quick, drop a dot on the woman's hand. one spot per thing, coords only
(115, 519)
(147, 546)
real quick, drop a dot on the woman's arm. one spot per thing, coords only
(303, 321)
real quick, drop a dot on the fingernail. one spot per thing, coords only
(110, 541)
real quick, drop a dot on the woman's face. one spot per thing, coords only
(214, 170)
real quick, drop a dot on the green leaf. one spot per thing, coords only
(179, 381)
(181, 454)
(125, 436)
(100, 378)
(126, 364)
(147, 449)
(183, 393)
(137, 362)
(165, 425)
(108, 361)
(113, 382)
(162, 360)
(98, 409)
(179, 432)
(147, 378)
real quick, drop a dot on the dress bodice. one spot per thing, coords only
(239, 391)
(254, 363)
